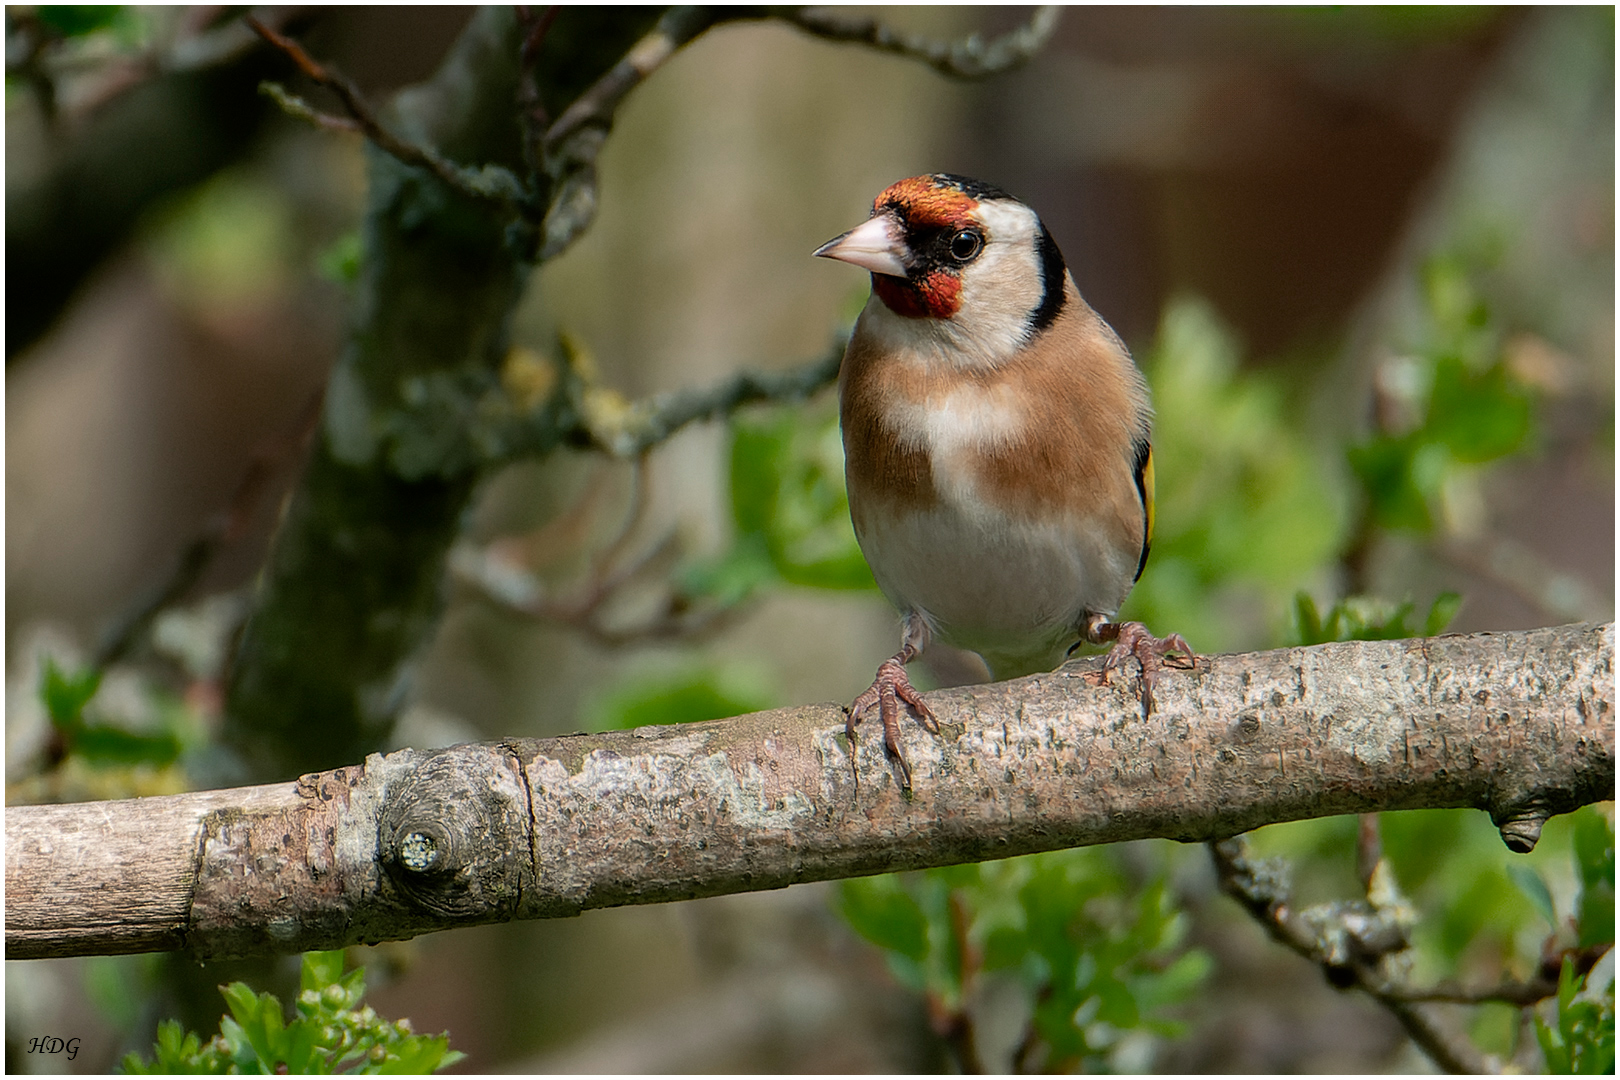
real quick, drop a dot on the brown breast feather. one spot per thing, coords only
(1086, 405)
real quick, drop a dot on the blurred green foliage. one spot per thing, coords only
(227, 244)
(1580, 1038)
(125, 23)
(331, 1032)
(789, 513)
(1367, 618)
(687, 694)
(339, 262)
(1468, 407)
(1248, 512)
(1099, 955)
(66, 697)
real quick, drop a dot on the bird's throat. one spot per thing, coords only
(936, 295)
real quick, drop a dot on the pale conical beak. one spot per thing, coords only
(875, 246)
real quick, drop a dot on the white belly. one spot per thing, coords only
(1012, 592)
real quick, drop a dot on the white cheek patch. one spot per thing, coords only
(1003, 285)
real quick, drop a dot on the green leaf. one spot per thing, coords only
(1480, 416)
(65, 695)
(259, 1018)
(1530, 883)
(698, 693)
(105, 744)
(1307, 620)
(757, 453)
(1441, 612)
(1392, 480)
(77, 20)
(420, 1054)
(321, 969)
(1593, 843)
(884, 913)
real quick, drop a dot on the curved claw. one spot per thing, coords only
(1132, 639)
(888, 689)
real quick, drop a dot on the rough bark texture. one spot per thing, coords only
(1520, 725)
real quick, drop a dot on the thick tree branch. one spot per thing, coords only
(1520, 725)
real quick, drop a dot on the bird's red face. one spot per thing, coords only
(922, 233)
(927, 210)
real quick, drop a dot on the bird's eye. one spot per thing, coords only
(965, 245)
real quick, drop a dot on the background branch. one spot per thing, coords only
(970, 58)
(1348, 941)
(626, 429)
(417, 841)
(569, 148)
(489, 182)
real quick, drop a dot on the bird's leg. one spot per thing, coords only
(891, 687)
(1134, 639)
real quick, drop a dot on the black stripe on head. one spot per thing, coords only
(1053, 294)
(976, 189)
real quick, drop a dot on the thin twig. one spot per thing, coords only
(1521, 992)
(610, 572)
(295, 106)
(970, 58)
(491, 183)
(959, 1029)
(531, 112)
(570, 146)
(633, 429)
(1261, 889)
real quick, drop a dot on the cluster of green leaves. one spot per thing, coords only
(1469, 409)
(1581, 1038)
(66, 696)
(1365, 618)
(789, 511)
(330, 1033)
(1100, 956)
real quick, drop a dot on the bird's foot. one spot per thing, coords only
(888, 689)
(1133, 639)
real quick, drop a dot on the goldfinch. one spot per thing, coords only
(997, 444)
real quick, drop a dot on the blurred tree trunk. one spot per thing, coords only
(353, 586)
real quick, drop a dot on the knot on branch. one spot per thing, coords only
(1521, 832)
(446, 840)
